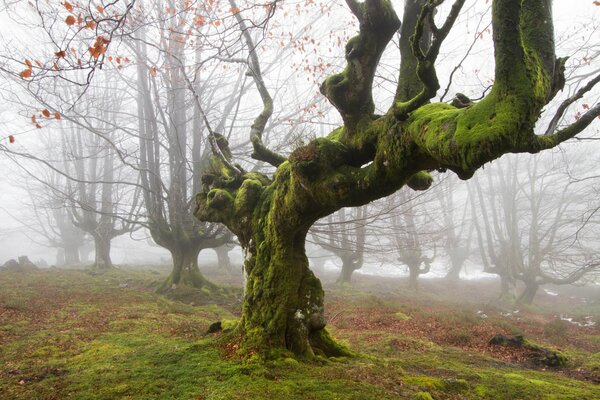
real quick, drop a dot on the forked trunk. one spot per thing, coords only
(185, 269)
(349, 265)
(528, 293)
(223, 258)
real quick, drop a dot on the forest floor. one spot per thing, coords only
(76, 334)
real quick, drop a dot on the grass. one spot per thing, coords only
(68, 334)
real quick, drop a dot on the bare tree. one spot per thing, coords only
(527, 220)
(455, 225)
(343, 234)
(413, 242)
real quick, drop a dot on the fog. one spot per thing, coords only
(44, 169)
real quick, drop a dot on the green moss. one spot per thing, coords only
(229, 324)
(422, 396)
(83, 338)
(401, 316)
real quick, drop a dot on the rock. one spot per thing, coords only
(538, 355)
(22, 265)
(214, 327)
(501, 340)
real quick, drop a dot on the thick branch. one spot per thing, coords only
(351, 91)
(426, 59)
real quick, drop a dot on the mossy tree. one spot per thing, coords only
(372, 156)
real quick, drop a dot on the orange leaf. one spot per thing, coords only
(11, 138)
(29, 64)
(38, 126)
(90, 25)
(57, 116)
(234, 10)
(56, 66)
(68, 6)
(585, 106)
(597, 3)
(26, 73)
(70, 20)
(60, 54)
(100, 9)
(39, 64)
(33, 119)
(46, 113)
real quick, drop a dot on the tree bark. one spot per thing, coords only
(223, 258)
(72, 255)
(453, 273)
(348, 268)
(185, 269)
(413, 276)
(526, 297)
(507, 288)
(102, 249)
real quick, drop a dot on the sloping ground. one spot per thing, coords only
(68, 334)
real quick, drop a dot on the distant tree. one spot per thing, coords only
(526, 224)
(411, 239)
(343, 234)
(455, 225)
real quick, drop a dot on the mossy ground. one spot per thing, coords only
(72, 334)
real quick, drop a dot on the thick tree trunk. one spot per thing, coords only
(507, 288)
(413, 277)
(102, 249)
(349, 265)
(223, 258)
(528, 293)
(283, 307)
(453, 273)
(72, 255)
(185, 269)
(456, 265)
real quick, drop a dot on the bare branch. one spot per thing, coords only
(261, 152)
(565, 104)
